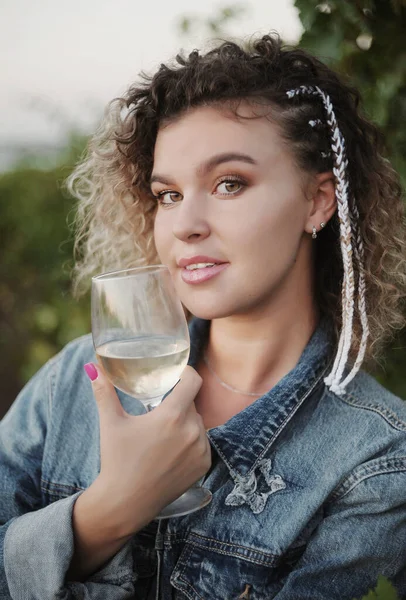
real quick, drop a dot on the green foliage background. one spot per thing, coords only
(37, 312)
(362, 39)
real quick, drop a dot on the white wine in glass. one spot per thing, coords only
(145, 367)
(141, 338)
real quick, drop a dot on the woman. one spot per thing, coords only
(253, 176)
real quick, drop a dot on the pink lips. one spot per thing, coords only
(200, 275)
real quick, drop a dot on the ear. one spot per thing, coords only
(323, 202)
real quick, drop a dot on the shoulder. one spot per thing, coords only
(371, 423)
(61, 379)
(59, 382)
(39, 391)
(366, 396)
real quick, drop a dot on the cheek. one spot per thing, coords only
(268, 228)
(162, 239)
(268, 245)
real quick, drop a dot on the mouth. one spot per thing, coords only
(201, 265)
(200, 268)
(200, 272)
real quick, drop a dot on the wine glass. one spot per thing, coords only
(141, 338)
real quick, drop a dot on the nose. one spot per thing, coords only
(191, 221)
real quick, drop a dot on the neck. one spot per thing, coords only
(253, 352)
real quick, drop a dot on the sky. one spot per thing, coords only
(61, 62)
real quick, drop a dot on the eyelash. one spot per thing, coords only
(233, 179)
(224, 179)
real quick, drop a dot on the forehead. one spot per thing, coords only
(203, 131)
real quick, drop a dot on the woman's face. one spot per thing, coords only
(229, 193)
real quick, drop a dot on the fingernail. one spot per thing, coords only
(91, 371)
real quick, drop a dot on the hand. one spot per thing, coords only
(147, 461)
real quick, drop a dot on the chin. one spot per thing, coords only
(208, 310)
(208, 314)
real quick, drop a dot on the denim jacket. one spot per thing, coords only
(309, 493)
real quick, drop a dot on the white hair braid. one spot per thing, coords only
(359, 257)
(349, 229)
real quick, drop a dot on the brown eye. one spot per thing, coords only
(229, 187)
(168, 197)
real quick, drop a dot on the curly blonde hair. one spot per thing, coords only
(116, 210)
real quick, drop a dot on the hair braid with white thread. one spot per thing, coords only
(359, 257)
(339, 170)
(349, 229)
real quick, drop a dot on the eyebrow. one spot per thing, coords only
(209, 165)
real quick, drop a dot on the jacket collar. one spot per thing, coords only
(244, 440)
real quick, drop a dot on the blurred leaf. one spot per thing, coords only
(383, 591)
(215, 25)
(307, 12)
(40, 350)
(185, 24)
(46, 318)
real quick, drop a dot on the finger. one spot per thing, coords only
(200, 421)
(185, 391)
(105, 395)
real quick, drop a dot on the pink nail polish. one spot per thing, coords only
(91, 371)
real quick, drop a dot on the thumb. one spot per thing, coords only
(185, 391)
(105, 395)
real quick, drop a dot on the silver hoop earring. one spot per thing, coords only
(314, 234)
(322, 225)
